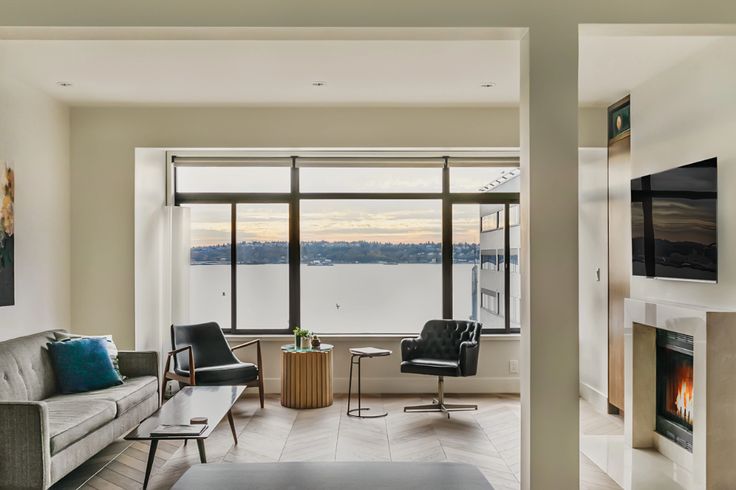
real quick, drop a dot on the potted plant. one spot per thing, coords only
(301, 338)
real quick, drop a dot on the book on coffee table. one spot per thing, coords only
(178, 430)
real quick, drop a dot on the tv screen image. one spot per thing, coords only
(673, 223)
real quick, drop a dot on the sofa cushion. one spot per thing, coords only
(26, 373)
(124, 396)
(433, 367)
(72, 420)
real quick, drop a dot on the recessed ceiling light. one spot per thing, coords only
(319, 83)
(488, 84)
(64, 84)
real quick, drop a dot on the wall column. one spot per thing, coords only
(549, 200)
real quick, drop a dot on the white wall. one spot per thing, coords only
(34, 135)
(104, 141)
(122, 129)
(383, 375)
(593, 289)
(549, 421)
(152, 249)
(681, 116)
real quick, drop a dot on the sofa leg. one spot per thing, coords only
(439, 405)
(163, 390)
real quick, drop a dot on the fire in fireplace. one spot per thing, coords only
(675, 387)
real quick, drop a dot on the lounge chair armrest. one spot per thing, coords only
(25, 451)
(246, 344)
(468, 360)
(411, 348)
(257, 343)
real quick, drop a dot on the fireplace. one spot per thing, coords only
(675, 387)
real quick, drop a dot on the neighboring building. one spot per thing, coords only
(492, 311)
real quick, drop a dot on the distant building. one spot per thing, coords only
(493, 259)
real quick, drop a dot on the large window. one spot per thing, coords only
(376, 179)
(349, 249)
(210, 260)
(232, 179)
(262, 248)
(370, 266)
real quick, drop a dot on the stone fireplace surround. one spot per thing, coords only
(714, 395)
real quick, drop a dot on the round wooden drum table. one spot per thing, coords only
(306, 377)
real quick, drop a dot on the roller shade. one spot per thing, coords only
(180, 161)
(500, 161)
(436, 162)
(347, 161)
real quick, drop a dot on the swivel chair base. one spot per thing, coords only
(439, 405)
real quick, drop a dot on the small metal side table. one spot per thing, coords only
(356, 355)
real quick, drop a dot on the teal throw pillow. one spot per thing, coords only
(83, 365)
(112, 349)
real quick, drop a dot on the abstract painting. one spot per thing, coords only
(7, 234)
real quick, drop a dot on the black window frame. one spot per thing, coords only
(295, 197)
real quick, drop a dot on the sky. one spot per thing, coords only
(400, 221)
(414, 221)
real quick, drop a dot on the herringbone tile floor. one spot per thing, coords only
(488, 438)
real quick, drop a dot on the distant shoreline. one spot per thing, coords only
(351, 263)
(322, 253)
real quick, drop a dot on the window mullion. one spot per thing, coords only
(233, 269)
(446, 244)
(294, 250)
(507, 268)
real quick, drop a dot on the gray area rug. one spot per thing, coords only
(333, 476)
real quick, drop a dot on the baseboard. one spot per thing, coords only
(417, 384)
(598, 400)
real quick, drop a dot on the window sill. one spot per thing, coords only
(286, 339)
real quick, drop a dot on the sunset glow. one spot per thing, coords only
(380, 221)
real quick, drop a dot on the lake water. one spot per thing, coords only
(350, 298)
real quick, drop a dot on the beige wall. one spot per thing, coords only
(104, 186)
(550, 457)
(383, 375)
(593, 255)
(684, 115)
(103, 143)
(34, 135)
(103, 153)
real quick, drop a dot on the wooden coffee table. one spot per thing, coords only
(213, 402)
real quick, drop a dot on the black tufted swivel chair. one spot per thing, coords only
(444, 348)
(203, 357)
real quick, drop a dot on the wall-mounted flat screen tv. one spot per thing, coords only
(673, 223)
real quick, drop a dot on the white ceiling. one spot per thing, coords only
(272, 72)
(357, 72)
(610, 67)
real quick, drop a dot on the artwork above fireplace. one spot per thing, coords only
(675, 387)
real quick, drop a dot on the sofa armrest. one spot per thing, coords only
(25, 450)
(469, 358)
(138, 363)
(411, 348)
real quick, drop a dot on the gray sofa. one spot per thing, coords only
(43, 434)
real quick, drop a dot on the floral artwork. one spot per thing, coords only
(7, 234)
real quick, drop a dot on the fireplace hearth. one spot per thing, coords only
(675, 387)
(664, 415)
